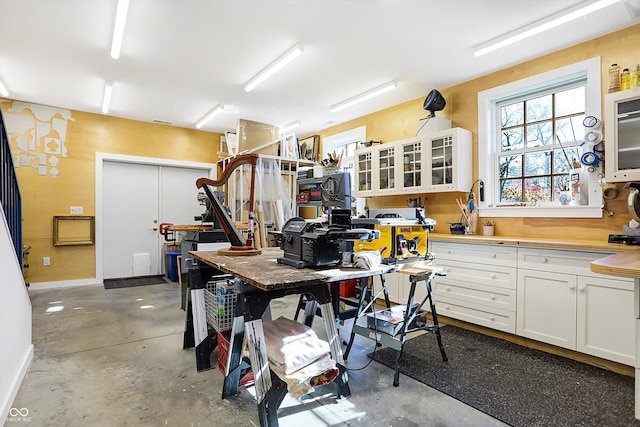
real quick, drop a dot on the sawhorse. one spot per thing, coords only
(398, 340)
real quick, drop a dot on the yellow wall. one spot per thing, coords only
(400, 122)
(45, 196)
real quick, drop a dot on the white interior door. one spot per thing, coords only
(130, 209)
(137, 198)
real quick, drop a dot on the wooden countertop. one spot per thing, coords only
(583, 245)
(626, 264)
(264, 272)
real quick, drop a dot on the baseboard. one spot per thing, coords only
(64, 284)
(7, 405)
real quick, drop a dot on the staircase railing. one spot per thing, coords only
(10, 192)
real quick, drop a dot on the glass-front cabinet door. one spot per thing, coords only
(622, 135)
(386, 182)
(364, 172)
(449, 160)
(411, 165)
(442, 160)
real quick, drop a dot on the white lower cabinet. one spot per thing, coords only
(561, 302)
(605, 320)
(547, 307)
(393, 288)
(549, 295)
(479, 286)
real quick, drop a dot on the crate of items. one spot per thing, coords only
(224, 338)
(220, 299)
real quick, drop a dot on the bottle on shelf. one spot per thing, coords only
(614, 78)
(625, 80)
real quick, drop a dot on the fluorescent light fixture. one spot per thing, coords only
(543, 25)
(3, 89)
(290, 126)
(210, 115)
(364, 96)
(108, 88)
(118, 29)
(276, 65)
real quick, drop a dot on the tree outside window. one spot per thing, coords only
(540, 139)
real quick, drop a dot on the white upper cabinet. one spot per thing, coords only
(411, 171)
(385, 174)
(364, 172)
(622, 136)
(449, 157)
(440, 161)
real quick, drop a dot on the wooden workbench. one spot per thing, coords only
(261, 280)
(264, 272)
(626, 264)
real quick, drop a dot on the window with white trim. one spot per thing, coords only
(530, 136)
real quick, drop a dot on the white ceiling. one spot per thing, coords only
(180, 58)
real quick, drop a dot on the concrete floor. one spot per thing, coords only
(115, 358)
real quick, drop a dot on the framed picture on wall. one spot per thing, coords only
(308, 147)
(289, 144)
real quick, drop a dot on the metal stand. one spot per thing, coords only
(196, 332)
(411, 326)
(270, 390)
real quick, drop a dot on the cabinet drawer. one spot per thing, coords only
(501, 320)
(491, 254)
(560, 261)
(489, 296)
(481, 274)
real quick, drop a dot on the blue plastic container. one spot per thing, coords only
(172, 265)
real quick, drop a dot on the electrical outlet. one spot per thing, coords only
(76, 210)
(46, 260)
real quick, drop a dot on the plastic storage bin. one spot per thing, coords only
(172, 265)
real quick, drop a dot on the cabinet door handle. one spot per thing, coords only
(449, 251)
(493, 297)
(544, 260)
(446, 307)
(581, 288)
(572, 287)
(448, 288)
(448, 269)
(492, 318)
(493, 255)
(493, 276)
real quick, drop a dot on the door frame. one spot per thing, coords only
(122, 158)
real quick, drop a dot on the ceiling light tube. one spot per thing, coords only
(364, 96)
(290, 126)
(106, 100)
(210, 115)
(118, 29)
(276, 65)
(542, 25)
(3, 89)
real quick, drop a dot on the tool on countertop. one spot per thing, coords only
(400, 238)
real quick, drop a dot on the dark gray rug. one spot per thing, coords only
(515, 384)
(133, 281)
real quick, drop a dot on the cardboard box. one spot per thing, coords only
(389, 321)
